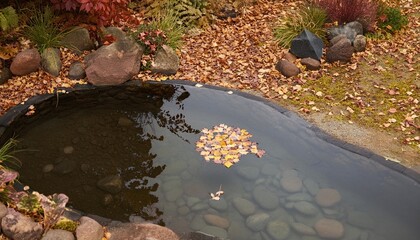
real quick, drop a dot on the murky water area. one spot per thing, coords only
(135, 159)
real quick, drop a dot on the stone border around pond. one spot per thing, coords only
(13, 118)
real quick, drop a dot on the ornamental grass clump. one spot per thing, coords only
(309, 17)
(43, 31)
(345, 11)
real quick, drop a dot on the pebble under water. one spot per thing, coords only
(134, 159)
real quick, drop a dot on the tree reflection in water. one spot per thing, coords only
(108, 139)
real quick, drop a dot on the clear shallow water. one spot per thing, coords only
(149, 144)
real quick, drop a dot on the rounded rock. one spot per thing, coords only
(278, 229)
(216, 221)
(257, 222)
(327, 197)
(291, 184)
(265, 198)
(329, 228)
(244, 207)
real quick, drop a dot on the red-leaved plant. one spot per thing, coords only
(345, 11)
(104, 12)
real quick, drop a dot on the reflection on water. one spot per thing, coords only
(137, 159)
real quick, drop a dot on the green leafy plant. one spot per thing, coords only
(42, 30)
(310, 17)
(391, 20)
(189, 12)
(8, 18)
(29, 203)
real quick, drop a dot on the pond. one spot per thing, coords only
(131, 154)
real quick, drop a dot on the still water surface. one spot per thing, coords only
(149, 143)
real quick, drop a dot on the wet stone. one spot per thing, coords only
(265, 198)
(329, 228)
(68, 149)
(184, 210)
(327, 197)
(249, 173)
(360, 219)
(197, 223)
(238, 230)
(47, 168)
(299, 197)
(306, 208)
(303, 229)
(191, 201)
(278, 229)
(257, 222)
(215, 231)
(217, 221)
(65, 166)
(244, 207)
(291, 183)
(112, 184)
(220, 205)
(200, 206)
(311, 186)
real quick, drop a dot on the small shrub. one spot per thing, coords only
(345, 11)
(391, 20)
(42, 30)
(150, 37)
(8, 18)
(103, 12)
(310, 17)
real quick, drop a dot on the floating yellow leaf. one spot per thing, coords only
(228, 164)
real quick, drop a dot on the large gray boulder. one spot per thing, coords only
(113, 64)
(51, 62)
(341, 51)
(78, 40)
(350, 30)
(17, 226)
(166, 61)
(25, 62)
(306, 45)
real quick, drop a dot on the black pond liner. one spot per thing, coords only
(16, 118)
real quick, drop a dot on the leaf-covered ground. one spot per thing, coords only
(372, 101)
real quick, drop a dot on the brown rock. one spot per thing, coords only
(25, 62)
(113, 64)
(359, 43)
(289, 57)
(166, 61)
(341, 51)
(311, 64)
(327, 197)
(217, 221)
(291, 183)
(287, 68)
(329, 228)
(89, 229)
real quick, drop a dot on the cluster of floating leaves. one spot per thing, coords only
(225, 145)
